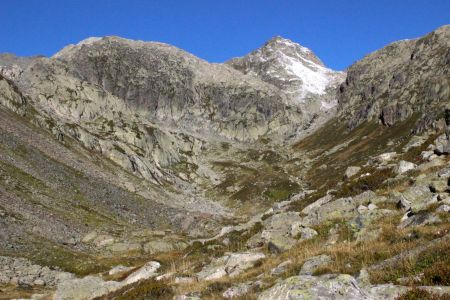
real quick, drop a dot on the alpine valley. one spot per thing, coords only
(136, 170)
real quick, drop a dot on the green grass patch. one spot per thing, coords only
(281, 190)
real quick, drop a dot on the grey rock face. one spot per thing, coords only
(400, 79)
(175, 87)
(91, 287)
(12, 66)
(316, 287)
(10, 96)
(85, 288)
(22, 272)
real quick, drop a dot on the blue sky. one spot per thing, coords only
(339, 32)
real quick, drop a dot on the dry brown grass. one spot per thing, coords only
(421, 294)
(349, 257)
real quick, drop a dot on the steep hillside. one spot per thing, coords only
(404, 78)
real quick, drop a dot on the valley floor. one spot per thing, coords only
(373, 226)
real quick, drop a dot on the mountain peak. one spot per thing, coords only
(290, 48)
(293, 68)
(278, 39)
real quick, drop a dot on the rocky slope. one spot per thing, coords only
(405, 78)
(168, 85)
(146, 172)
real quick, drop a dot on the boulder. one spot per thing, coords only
(342, 208)
(281, 268)
(392, 292)
(386, 291)
(85, 288)
(442, 145)
(385, 157)
(145, 272)
(444, 173)
(351, 171)
(439, 186)
(238, 290)
(231, 264)
(280, 243)
(102, 240)
(404, 166)
(277, 232)
(372, 206)
(443, 208)
(368, 217)
(427, 155)
(420, 219)
(337, 287)
(302, 232)
(318, 203)
(314, 263)
(281, 221)
(416, 197)
(119, 269)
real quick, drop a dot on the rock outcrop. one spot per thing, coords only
(405, 78)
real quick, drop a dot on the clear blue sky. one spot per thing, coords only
(339, 32)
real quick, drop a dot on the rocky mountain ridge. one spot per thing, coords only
(404, 78)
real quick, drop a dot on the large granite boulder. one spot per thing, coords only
(338, 287)
(231, 264)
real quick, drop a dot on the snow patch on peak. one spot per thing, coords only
(315, 78)
(295, 70)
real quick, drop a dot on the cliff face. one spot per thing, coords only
(391, 84)
(168, 85)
